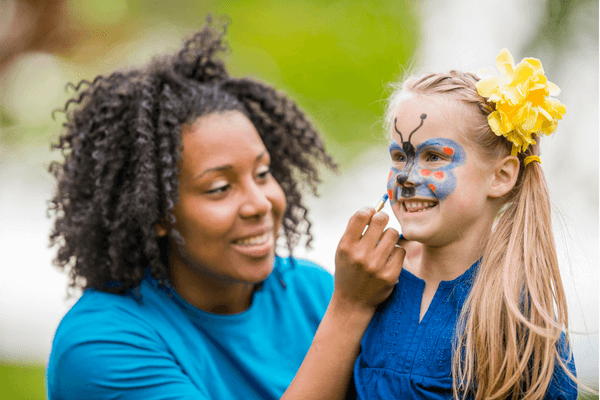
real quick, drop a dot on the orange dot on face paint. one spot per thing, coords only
(448, 150)
(430, 186)
(390, 175)
(390, 194)
(439, 174)
(425, 172)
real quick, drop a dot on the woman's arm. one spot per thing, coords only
(367, 268)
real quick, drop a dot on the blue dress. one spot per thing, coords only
(111, 346)
(404, 359)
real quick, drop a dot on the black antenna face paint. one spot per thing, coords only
(410, 152)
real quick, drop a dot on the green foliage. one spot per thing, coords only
(588, 396)
(20, 382)
(333, 57)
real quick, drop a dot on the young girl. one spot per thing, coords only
(177, 181)
(479, 310)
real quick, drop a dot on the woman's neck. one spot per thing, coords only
(211, 293)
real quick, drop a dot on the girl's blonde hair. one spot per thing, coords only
(508, 334)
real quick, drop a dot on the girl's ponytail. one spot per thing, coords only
(513, 319)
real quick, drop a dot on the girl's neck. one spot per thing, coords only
(447, 262)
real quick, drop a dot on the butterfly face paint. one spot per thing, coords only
(424, 171)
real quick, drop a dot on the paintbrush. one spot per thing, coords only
(381, 203)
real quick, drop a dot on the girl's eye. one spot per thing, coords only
(435, 157)
(398, 157)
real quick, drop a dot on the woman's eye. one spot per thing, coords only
(264, 173)
(217, 190)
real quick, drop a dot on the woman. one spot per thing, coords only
(176, 181)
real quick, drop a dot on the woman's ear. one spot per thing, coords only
(505, 176)
(161, 231)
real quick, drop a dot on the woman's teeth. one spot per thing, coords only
(416, 206)
(254, 240)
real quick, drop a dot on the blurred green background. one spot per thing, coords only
(334, 58)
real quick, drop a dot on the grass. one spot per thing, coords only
(20, 382)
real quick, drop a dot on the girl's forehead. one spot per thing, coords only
(440, 118)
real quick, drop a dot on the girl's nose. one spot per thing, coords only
(408, 177)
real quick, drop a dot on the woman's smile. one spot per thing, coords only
(256, 245)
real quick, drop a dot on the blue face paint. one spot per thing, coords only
(416, 178)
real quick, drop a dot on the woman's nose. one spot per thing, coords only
(256, 202)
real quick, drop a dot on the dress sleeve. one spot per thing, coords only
(562, 387)
(126, 365)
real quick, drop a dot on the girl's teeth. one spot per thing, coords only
(416, 206)
(253, 240)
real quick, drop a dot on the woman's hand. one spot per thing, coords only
(367, 265)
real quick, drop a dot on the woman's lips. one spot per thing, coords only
(259, 245)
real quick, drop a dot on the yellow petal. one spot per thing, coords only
(513, 94)
(495, 123)
(545, 113)
(554, 90)
(486, 87)
(506, 122)
(537, 86)
(523, 72)
(495, 98)
(505, 65)
(535, 64)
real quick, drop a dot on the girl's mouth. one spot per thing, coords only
(418, 206)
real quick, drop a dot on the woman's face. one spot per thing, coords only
(230, 207)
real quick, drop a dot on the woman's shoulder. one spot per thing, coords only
(97, 315)
(300, 268)
(302, 276)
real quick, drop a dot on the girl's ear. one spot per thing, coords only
(505, 176)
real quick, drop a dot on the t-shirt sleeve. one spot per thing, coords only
(562, 387)
(115, 359)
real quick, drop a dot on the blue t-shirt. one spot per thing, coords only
(404, 359)
(112, 346)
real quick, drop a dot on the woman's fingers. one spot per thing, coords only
(357, 224)
(375, 229)
(368, 265)
(386, 243)
(394, 263)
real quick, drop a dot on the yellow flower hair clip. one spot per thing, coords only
(523, 107)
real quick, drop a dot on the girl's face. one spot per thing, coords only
(230, 207)
(436, 184)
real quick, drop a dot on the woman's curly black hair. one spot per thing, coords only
(121, 148)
